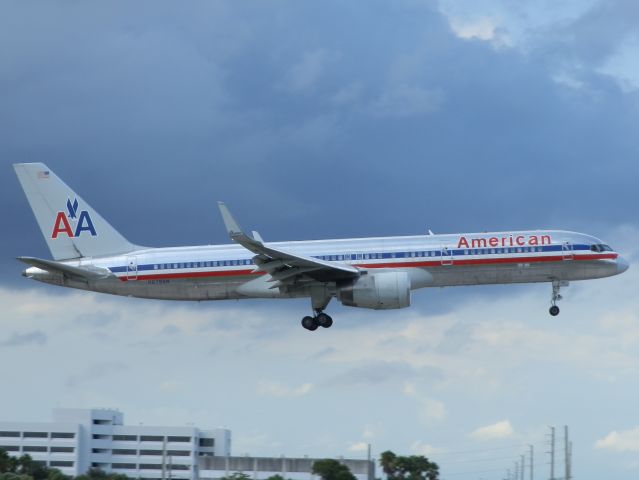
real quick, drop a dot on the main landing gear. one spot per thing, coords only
(320, 296)
(319, 320)
(556, 296)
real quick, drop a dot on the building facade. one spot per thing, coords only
(79, 439)
(260, 468)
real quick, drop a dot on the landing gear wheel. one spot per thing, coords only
(324, 320)
(556, 296)
(309, 323)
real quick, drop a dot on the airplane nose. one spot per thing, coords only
(622, 265)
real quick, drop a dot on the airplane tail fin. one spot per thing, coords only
(70, 226)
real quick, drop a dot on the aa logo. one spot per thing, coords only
(63, 221)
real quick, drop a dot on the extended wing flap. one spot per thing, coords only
(85, 273)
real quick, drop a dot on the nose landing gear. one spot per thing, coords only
(556, 296)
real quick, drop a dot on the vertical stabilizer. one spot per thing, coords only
(70, 226)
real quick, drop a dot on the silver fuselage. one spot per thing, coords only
(218, 272)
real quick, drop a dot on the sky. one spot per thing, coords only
(327, 120)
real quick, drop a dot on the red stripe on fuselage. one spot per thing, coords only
(489, 261)
(216, 273)
(456, 261)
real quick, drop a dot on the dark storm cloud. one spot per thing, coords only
(598, 34)
(35, 337)
(310, 120)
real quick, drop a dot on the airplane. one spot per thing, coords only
(375, 273)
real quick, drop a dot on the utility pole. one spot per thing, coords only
(164, 459)
(369, 475)
(516, 473)
(523, 467)
(531, 462)
(566, 454)
(552, 453)
(570, 455)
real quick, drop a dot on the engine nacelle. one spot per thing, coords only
(379, 291)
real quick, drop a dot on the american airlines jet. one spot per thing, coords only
(377, 273)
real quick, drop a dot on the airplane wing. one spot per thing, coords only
(84, 273)
(285, 267)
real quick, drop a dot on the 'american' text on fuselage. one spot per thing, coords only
(504, 241)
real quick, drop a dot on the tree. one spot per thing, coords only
(8, 463)
(55, 474)
(413, 467)
(14, 476)
(329, 469)
(98, 474)
(237, 476)
(277, 476)
(28, 466)
(5, 461)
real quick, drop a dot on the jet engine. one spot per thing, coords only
(379, 291)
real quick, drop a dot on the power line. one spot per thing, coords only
(522, 445)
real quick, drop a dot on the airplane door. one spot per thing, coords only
(447, 256)
(131, 267)
(566, 251)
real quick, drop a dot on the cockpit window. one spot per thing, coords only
(600, 247)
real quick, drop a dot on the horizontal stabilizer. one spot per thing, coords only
(85, 273)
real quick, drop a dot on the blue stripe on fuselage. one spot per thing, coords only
(361, 257)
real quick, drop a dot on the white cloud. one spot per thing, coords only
(622, 65)
(368, 433)
(358, 447)
(432, 409)
(409, 389)
(482, 28)
(501, 429)
(275, 389)
(420, 448)
(506, 23)
(624, 441)
(429, 409)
